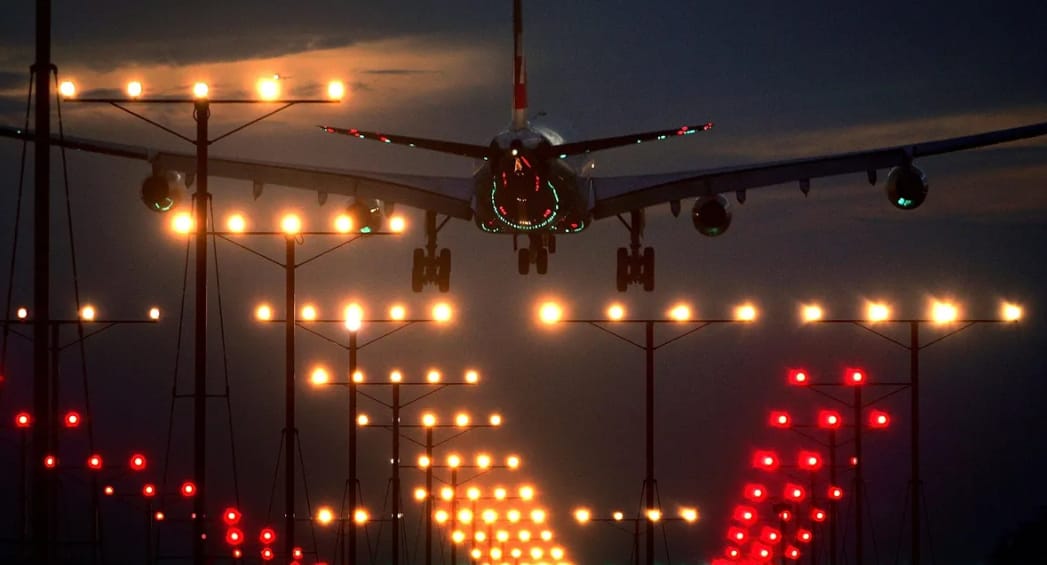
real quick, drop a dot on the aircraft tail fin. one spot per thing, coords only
(589, 145)
(519, 70)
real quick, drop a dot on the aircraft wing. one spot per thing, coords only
(617, 195)
(450, 196)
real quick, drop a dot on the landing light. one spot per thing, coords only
(745, 313)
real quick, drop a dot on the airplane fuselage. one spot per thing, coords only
(523, 188)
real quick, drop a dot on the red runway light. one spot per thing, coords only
(804, 536)
(744, 514)
(818, 515)
(94, 462)
(799, 377)
(766, 460)
(829, 419)
(780, 419)
(188, 489)
(855, 376)
(234, 536)
(794, 492)
(755, 492)
(231, 516)
(149, 490)
(137, 462)
(878, 419)
(71, 419)
(23, 420)
(835, 493)
(267, 536)
(809, 460)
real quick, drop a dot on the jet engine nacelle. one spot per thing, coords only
(711, 215)
(906, 187)
(164, 190)
(365, 215)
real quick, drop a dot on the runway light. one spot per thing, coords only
(234, 536)
(397, 224)
(154, 313)
(137, 462)
(343, 224)
(182, 223)
(1011, 312)
(680, 313)
(335, 90)
(397, 312)
(188, 489)
(835, 493)
(829, 419)
(472, 377)
(148, 490)
(428, 419)
(550, 313)
(582, 515)
(71, 419)
(291, 224)
(67, 89)
(944, 312)
(812, 313)
(200, 90)
(236, 223)
(319, 376)
(512, 462)
(354, 317)
(877, 312)
(442, 312)
(134, 89)
(50, 461)
(264, 313)
(616, 312)
(745, 313)
(87, 313)
(809, 461)
(267, 536)
(268, 88)
(22, 313)
(855, 376)
(495, 420)
(689, 515)
(755, 492)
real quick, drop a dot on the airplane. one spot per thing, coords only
(530, 185)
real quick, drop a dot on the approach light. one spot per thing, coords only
(877, 312)
(108, 490)
(483, 461)
(397, 312)
(616, 312)
(454, 460)
(854, 376)
(363, 420)
(267, 536)
(513, 462)
(442, 312)
(465, 516)
(829, 419)
(420, 494)
(489, 516)
(291, 224)
(770, 535)
(297, 553)
(680, 313)
(361, 516)
(188, 489)
(472, 377)
(944, 312)
(878, 419)
(461, 419)
(397, 224)
(137, 462)
(495, 420)
(324, 515)
(809, 461)
(182, 223)
(231, 516)
(804, 536)
(794, 492)
(689, 514)
(50, 461)
(236, 223)
(424, 461)
(755, 492)
(446, 493)
(500, 493)
(766, 460)
(818, 515)
(87, 313)
(458, 536)
(744, 514)
(264, 313)
(745, 313)
(22, 313)
(396, 377)
(791, 553)
(736, 534)
(618, 515)
(526, 493)
(67, 89)
(428, 419)
(1011, 312)
(785, 515)
(159, 516)
(335, 90)
(654, 514)
(154, 313)
(308, 312)
(799, 377)
(268, 554)
(148, 490)
(200, 90)
(343, 224)
(582, 515)
(441, 516)
(812, 313)
(358, 377)
(134, 89)
(268, 88)
(834, 493)
(319, 376)
(234, 536)
(538, 516)
(354, 317)
(550, 313)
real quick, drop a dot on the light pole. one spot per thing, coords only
(164, 199)
(354, 321)
(551, 313)
(942, 314)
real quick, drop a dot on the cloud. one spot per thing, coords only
(396, 72)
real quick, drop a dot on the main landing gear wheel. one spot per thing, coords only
(634, 266)
(523, 261)
(541, 261)
(431, 265)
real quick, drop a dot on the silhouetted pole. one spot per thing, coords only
(649, 481)
(429, 496)
(352, 447)
(859, 537)
(396, 474)
(834, 510)
(42, 481)
(289, 417)
(914, 380)
(201, 199)
(454, 512)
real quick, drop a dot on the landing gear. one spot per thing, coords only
(538, 251)
(429, 266)
(634, 266)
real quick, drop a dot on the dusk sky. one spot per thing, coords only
(779, 79)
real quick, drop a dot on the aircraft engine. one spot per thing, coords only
(164, 190)
(711, 215)
(906, 187)
(365, 215)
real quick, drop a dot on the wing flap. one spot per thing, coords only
(441, 146)
(590, 145)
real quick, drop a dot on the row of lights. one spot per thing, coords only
(525, 493)
(687, 514)
(483, 461)
(290, 224)
(268, 89)
(353, 314)
(87, 313)
(941, 312)
(320, 376)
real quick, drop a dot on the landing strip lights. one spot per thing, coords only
(182, 223)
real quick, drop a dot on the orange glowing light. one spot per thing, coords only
(550, 313)
(616, 312)
(397, 312)
(291, 224)
(745, 313)
(236, 223)
(343, 224)
(264, 313)
(812, 313)
(877, 312)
